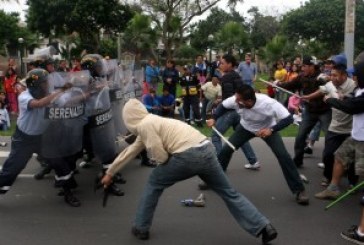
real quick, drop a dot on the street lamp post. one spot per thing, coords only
(21, 41)
(302, 45)
(210, 38)
(160, 49)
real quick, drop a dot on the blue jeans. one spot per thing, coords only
(309, 120)
(275, 142)
(206, 106)
(315, 132)
(199, 161)
(223, 123)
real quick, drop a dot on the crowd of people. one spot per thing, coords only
(325, 96)
(200, 90)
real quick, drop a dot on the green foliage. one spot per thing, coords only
(10, 31)
(84, 17)
(323, 20)
(262, 28)
(213, 23)
(186, 52)
(139, 36)
(232, 35)
(275, 48)
(108, 47)
(172, 18)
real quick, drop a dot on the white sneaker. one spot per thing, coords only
(255, 166)
(321, 165)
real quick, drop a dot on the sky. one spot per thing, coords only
(265, 6)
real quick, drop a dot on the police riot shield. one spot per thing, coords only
(100, 121)
(131, 87)
(115, 93)
(66, 115)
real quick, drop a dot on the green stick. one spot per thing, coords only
(345, 195)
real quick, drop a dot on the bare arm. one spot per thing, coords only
(35, 103)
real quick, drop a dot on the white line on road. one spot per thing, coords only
(4, 153)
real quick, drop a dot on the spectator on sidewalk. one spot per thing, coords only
(248, 70)
(4, 118)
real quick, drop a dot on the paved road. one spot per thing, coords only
(31, 213)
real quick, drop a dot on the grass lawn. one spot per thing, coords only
(11, 130)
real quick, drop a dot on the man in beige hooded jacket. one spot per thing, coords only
(181, 153)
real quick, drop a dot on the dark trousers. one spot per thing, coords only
(64, 167)
(87, 144)
(309, 120)
(22, 148)
(332, 142)
(192, 100)
(275, 142)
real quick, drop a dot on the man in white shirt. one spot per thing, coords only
(258, 118)
(212, 92)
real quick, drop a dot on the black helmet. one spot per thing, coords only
(36, 81)
(95, 64)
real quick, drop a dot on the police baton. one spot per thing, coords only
(99, 185)
(277, 87)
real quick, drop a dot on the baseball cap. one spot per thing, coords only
(310, 60)
(340, 59)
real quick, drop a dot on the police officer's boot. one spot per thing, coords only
(118, 178)
(145, 160)
(115, 190)
(70, 199)
(46, 169)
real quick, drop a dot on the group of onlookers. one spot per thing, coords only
(199, 89)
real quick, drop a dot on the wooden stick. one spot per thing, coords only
(223, 138)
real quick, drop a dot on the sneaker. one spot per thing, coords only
(308, 150)
(3, 144)
(352, 235)
(302, 198)
(304, 179)
(328, 194)
(321, 165)
(141, 235)
(85, 164)
(325, 182)
(255, 166)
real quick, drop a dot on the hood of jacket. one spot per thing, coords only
(133, 113)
